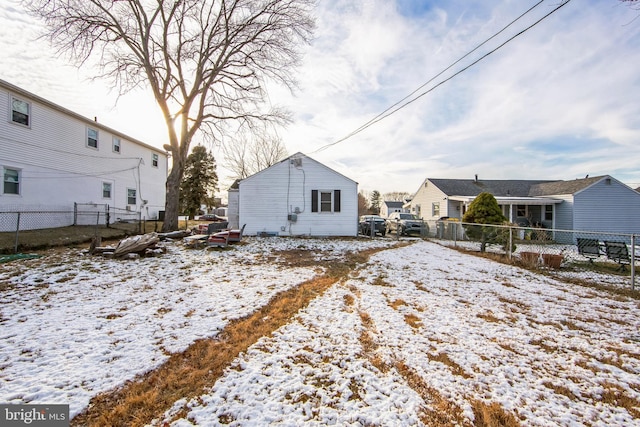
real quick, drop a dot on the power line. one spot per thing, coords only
(392, 109)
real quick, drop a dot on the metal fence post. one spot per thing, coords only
(455, 234)
(633, 262)
(510, 251)
(15, 247)
(75, 213)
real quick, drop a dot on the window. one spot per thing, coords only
(325, 201)
(435, 209)
(548, 213)
(20, 112)
(154, 160)
(326, 197)
(92, 138)
(116, 145)
(106, 190)
(11, 181)
(131, 196)
(521, 211)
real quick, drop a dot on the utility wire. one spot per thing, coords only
(392, 109)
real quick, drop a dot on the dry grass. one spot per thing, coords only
(380, 281)
(453, 366)
(615, 395)
(437, 411)
(488, 317)
(413, 321)
(492, 415)
(188, 374)
(395, 304)
(562, 390)
(369, 345)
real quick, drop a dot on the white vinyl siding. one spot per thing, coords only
(425, 196)
(58, 169)
(279, 200)
(607, 206)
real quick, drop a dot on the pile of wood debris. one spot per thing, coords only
(131, 247)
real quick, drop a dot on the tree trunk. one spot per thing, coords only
(172, 208)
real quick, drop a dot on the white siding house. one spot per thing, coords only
(389, 207)
(296, 197)
(601, 204)
(51, 158)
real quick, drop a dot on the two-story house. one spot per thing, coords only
(52, 158)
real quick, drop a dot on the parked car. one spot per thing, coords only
(405, 223)
(365, 225)
(211, 217)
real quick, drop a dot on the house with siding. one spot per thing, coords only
(389, 206)
(52, 158)
(601, 203)
(298, 196)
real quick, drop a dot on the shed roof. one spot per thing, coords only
(393, 203)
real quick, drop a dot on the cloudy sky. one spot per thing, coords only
(559, 101)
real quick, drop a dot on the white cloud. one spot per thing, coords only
(571, 81)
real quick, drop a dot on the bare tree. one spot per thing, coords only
(206, 62)
(363, 204)
(396, 196)
(249, 154)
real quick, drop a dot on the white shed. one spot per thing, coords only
(297, 197)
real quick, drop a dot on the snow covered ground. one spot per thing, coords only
(470, 329)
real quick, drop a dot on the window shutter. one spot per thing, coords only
(314, 200)
(336, 200)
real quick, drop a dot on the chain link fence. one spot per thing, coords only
(36, 227)
(599, 256)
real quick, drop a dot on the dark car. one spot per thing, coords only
(211, 217)
(405, 223)
(367, 222)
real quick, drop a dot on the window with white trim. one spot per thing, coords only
(20, 112)
(131, 196)
(154, 160)
(106, 190)
(435, 209)
(116, 145)
(548, 213)
(11, 181)
(325, 200)
(92, 138)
